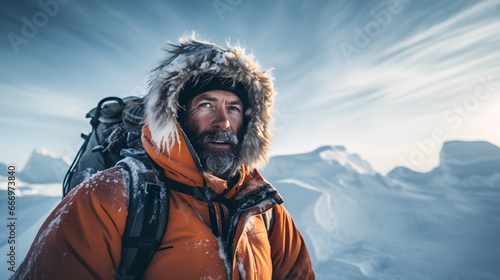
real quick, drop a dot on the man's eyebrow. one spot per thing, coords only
(207, 98)
(213, 99)
(235, 102)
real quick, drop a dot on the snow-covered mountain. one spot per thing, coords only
(358, 224)
(42, 167)
(3, 169)
(444, 224)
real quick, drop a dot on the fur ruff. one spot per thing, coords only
(188, 61)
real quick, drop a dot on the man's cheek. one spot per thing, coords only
(192, 129)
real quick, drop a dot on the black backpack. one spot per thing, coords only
(116, 125)
(115, 139)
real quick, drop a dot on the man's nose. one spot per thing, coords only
(221, 120)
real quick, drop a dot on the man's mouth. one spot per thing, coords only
(219, 142)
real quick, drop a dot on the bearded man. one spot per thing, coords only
(207, 127)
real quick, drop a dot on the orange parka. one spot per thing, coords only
(81, 239)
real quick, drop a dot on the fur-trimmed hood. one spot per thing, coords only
(188, 61)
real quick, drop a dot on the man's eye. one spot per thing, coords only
(234, 108)
(204, 105)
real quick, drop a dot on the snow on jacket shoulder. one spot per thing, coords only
(81, 239)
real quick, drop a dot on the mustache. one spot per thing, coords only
(225, 136)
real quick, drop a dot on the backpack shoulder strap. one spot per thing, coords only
(146, 220)
(268, 217)
(148, 215)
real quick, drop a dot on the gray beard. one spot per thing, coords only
(218, 162)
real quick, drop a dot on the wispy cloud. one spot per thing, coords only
(425, 60)
(402, 83)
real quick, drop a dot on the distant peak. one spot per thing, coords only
(44, 152)
(467, 151)
(340, 155)
(458, 143)
(330, 148)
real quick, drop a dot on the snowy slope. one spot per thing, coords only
(358, 224)
(444, 224)
(36, 195)
(34, 202)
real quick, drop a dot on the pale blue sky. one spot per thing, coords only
(390, 80)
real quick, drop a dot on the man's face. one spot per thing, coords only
(213, 123)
